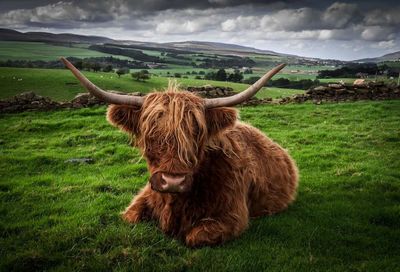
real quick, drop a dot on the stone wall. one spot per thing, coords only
(28, 101)
(209, 91)
(330, 93)
(370, 91)
(31, 101)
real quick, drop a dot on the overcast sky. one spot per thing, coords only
(327, 29)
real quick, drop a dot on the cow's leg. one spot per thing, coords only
(211, 231)
(139, 208)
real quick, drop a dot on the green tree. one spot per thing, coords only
(122, 71)
(140, 76)
(86, 65)
(96, 67)
(108, 68)
(221, 75)
(247, 71)
(235, 77)
(210, 76)
(78, 64)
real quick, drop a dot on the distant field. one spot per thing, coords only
(351, 80)
(10, 50)
(60, 84)
(336, 80)
(43, 51)
(257, 72)
(183, 70)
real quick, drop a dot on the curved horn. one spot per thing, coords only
(242, 96)
(111, 98)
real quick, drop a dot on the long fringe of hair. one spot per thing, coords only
(183, 131)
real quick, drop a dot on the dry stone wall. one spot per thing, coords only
(330, 93)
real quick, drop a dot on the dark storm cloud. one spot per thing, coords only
(149, 5)
(304, 25)
(159, 5)
(292, 15)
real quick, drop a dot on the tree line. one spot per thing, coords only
(222, 75)
(353, 70)
(224, 63)
(96, 64)
(237, 76)
(302, 84)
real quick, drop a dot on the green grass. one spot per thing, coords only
(351, 80)
(172, 69)
(46, 52)
(58, 216)
(60, 84)
(272, 92)
(336, 80)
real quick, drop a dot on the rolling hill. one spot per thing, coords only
(13, 35)
(194, 46)
(395, 56)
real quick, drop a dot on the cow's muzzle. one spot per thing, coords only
(170, 183)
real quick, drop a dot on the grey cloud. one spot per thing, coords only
(389, 17)
(292, 19)
(378, 33)
(61, 14)
(339, 21)
(217, 19)
(340, 15)
(384, 44)
(336, 16)
(161, 5)
(44, 15)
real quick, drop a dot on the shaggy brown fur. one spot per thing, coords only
(232, 171)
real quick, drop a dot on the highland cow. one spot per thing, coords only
(209, 172)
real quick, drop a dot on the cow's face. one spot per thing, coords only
(172, 130)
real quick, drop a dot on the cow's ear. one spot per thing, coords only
(220, 118)
(124, 117)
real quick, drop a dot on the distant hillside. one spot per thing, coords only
(212, 46)
(179, 47)
(195, 46)
(12, 35)
(395, 56)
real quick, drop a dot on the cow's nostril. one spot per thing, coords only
(163, 182)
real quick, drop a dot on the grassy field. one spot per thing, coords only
(59, 216)
(60, 84)
(257, 72)
(14, 50)
(43, 51)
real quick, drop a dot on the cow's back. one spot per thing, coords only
(270, 172)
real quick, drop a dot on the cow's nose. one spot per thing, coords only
(172, 183)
